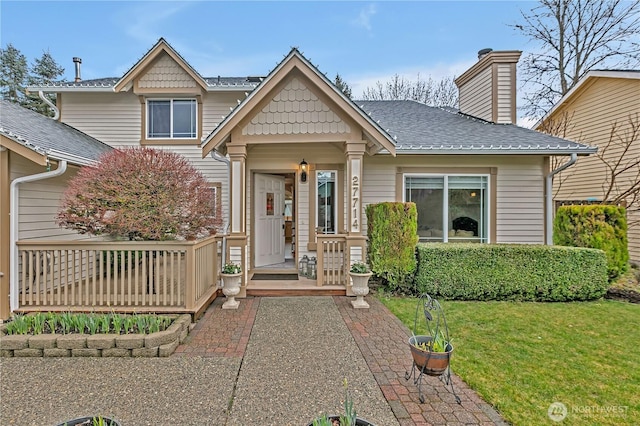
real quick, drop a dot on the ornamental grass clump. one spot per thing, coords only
(140, 194)
(82, 323)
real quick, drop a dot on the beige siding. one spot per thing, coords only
(166, 73)
(115, 120)
(476, 97)
(295, 110)
(39, 202)
(505, 98)
(593, 111)
(520, 189)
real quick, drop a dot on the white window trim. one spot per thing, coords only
(445, 201)
(335, 200)
(148, 115)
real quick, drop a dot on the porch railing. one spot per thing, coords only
(166, 276)
(332, 259)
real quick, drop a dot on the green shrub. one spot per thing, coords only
(511, 272)
(596, 226)
(393, 235)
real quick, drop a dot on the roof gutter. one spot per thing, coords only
(15, 223)
(549, 196)
(56, 111)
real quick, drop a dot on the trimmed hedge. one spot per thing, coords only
(393, 234)
(596, 226)
(511, 272)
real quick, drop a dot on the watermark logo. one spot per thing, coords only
(557, 411)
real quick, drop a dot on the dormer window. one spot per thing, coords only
(172, 119)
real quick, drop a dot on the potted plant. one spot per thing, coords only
(91, 421)
(349, 418)
(231, 278)
(431, 354)
(360, 274)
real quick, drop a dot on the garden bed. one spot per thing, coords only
(158, 344)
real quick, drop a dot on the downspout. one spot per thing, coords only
(219, 157)
(549, 195)
(15, 223)
(56, 111)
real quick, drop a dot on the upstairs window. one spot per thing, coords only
(171, 119)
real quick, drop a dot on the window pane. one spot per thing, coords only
(184, 119)
(467, 208)
(159, 119)
(427, 193)
(326, 213)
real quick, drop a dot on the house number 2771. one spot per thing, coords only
(355, 196)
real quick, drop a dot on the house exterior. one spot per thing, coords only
(588, 113)
(38, 156)
(295, 162)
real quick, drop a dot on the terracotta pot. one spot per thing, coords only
(431, 363)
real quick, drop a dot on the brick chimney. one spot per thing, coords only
(488, 89)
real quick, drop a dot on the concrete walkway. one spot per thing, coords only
(274, 361)
(289, 326)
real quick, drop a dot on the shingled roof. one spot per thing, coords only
(421, 129)
(48, 137)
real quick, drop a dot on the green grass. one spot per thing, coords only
(521, 357)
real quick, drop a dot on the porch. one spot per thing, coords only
(156, 276)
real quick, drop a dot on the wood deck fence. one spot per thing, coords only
(123, 276)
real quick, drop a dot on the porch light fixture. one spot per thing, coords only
(303, 171)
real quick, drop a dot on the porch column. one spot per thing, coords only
(355, 239)
(237, 193)
(237, 240)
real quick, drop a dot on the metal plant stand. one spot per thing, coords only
(425, 359)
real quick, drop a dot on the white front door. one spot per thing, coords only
(269, 219)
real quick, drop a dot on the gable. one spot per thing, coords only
(295, 110)
(166, 73)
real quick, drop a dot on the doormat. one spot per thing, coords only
(274, 277)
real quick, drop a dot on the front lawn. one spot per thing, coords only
(521, 357)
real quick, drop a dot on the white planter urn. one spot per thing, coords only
(231, 288)
(360, 287)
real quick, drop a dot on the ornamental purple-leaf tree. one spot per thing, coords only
(140, 194)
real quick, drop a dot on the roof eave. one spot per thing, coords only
(563, 151)
(60, 89)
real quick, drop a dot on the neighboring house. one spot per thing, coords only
(588, 113)
(38, 156)
(297, 162)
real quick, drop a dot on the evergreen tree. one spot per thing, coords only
(45, 70)
(13, 74)
(343, 86)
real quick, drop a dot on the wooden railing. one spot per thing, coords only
(159, 276)
(332, 259)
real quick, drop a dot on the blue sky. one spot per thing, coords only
(363, 41)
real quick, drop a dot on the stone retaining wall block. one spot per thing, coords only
(116, 352)
(85, 352)
(101, 341)
(130, 341)
(145, 352)
(56, 352)
(43, 341)
(168, 349)
(28, 353)
(15, 341)
(72, 341)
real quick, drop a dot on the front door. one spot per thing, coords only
(269, 219)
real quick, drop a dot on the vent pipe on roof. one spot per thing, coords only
(484, 52)
(77, 61)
